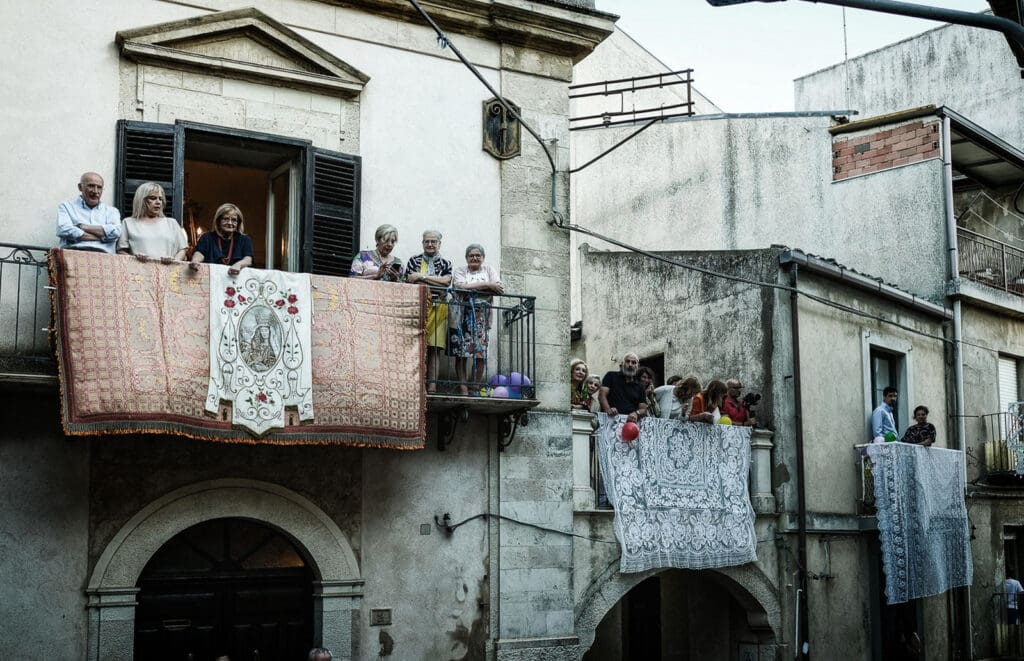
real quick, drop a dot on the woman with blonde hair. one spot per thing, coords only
(227, 243)
(148, 233)
(579, 385)
(379, 263)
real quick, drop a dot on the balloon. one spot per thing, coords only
(516, 381)
(499, 391)
(890, 437)
(499, 380)
(630, 431)
(725, 420)
(878, 439)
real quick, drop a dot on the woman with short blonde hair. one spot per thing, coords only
(148, 233)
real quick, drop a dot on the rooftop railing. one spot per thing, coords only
(24, 310)
(990, 262)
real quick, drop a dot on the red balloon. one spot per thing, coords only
(630, 432)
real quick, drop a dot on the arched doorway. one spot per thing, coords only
(114, 584)
(225, 587)
(681, 614)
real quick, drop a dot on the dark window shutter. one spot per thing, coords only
(331, 237)
(147, 152)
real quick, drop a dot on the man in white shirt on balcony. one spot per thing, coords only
(882, 421)
(1012, 588)
(85, 223)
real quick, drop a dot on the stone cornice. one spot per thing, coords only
(559, 29)
(303, 63)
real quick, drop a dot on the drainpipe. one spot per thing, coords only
(802, 648)
(967, 642)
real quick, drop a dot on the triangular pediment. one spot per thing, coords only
(242, 43)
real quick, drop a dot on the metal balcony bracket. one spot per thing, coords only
(447, 422)
(508, 425)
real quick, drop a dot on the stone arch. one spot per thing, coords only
(746, 583)
(112, 585)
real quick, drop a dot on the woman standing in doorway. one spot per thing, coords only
(227, 244)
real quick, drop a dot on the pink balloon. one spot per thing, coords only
(500, 391)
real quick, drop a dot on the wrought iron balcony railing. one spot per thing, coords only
(991, 262)
(1000, 462)
(24, 310)
(482, 345)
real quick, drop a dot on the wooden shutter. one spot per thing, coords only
(149, 152)
(331, 236)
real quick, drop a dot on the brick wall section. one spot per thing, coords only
(900, 145)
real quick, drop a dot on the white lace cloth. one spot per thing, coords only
(680, 494)
(260, 346)
(922, 519)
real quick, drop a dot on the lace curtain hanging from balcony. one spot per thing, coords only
(680, 494)
(260, 346)
(922, 520)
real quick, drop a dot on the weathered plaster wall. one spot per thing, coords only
(737, 184)
(834, 377)
(706, 326)
(987, 333)
(969, 70)
(536, 566)
(44, 538)
(127, 473)
(437, 585)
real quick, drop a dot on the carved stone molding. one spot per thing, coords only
(245, 44)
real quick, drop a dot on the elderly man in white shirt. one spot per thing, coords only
(85, 223)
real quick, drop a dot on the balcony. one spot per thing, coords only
(999, 463)
(25, 353)
(508, 387)
(990, 262)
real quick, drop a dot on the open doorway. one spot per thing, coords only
(262, 176)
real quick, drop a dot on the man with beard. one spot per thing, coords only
(85, 223)
(622, 392)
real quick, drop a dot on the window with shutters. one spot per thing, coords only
(300, 204)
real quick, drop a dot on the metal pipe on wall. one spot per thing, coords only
(802, 648)
(958, 360)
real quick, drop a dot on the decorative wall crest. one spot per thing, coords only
(501, 130)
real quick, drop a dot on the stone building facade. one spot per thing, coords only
(263, 105)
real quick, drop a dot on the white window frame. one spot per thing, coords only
(874, 339)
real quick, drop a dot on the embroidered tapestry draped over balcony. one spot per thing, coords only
(922, 520)
(680, 494)
(133, 347)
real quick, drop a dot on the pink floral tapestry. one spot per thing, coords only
(133, 340)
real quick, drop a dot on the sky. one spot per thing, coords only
(746, 56)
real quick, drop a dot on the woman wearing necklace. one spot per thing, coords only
(379, 264)
(227, 244)
(148, 233)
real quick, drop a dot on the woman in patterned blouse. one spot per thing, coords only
(379, 264)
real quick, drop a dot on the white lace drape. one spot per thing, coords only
(922, 519)
(260, 346)
(680, 494)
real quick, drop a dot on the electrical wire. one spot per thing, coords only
(557, 217)
(452, 527)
